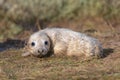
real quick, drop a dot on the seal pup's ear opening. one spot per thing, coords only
(26, 54)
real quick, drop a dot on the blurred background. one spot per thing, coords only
(19, 18)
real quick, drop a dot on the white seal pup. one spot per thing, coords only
(61, 41)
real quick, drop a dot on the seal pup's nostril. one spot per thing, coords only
(40, 51)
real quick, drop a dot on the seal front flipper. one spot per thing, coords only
(26, 54)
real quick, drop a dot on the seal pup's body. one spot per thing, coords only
(62, 42)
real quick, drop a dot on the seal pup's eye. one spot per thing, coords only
(46, 42)
(33, 44)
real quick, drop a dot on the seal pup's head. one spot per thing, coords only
(38, 45)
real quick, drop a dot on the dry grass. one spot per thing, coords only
(14, 67)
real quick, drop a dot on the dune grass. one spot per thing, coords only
(19, 14)
(59, 9)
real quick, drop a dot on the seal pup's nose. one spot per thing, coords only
(40, 51)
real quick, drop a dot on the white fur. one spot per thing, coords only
(66, 42)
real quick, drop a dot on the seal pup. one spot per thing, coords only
(61, 41)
